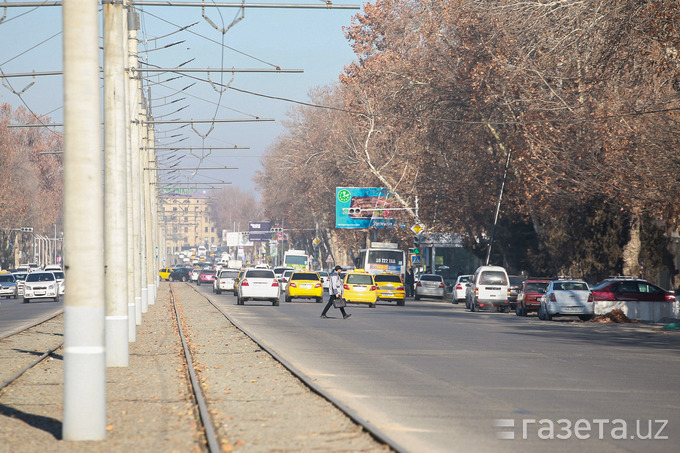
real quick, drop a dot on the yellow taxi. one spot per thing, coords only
(390, 288)
(304, 285)
(359, 288)
(238, 279)
(164, 273)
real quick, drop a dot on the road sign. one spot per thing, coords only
(329, 259)
(415, 260)
(316, 241)
(417, 228)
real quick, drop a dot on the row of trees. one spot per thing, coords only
(30, 182)
(580, 97)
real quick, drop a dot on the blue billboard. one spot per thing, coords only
(363, 207)
(259, 231)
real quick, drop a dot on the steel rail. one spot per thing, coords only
(206, 421)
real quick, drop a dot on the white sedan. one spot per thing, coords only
(258, 284)
(567, 298)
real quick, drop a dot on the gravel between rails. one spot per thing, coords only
(255, 403)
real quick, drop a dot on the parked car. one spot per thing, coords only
(390, 288)
(460, 288)
(285, 276)
(488, 289)
(529, 297)
(20, 277)
(8, 286)
(59, 275)
(566, 298)
(430, 285)
(631, 289)
(164, 273)
(258, 284)
(224, 280)
(304, 285)
(41, 285)
(180, 274)
(359, 288)
(206, 276)
(514, 288)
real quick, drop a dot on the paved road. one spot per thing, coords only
(16, 316)
(434, 377)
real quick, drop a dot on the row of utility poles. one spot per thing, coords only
(111, 217)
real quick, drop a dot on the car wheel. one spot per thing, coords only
(319, 300)
(26, 300)
(371, 305)
(184, 279)
(56, 299)
(401, 303)
(585, 317)
(218, 291)
(472, 306)
(198, 282)
(16, 295)
(171, 279)
(275, 302)
(417, 297)
(288, 299)
(518, 311)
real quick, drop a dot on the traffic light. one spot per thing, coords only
(26, 229)
(416, 246)
(276, 230)
(354, 211)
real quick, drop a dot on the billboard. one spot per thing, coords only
(363, 207)
(259, 231)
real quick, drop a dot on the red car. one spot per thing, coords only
(631, 289)
(529, 296)
(206, 276)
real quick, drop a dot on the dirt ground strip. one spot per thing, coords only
(256, 404)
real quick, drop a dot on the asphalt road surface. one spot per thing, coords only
(432, 376)
(16, 316)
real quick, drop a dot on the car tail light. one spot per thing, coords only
(275, 283)
(374, 288)
(553, 298)
(293, 285)
(477, 293)
(419, 284)
(670, 297)
(244, 282)
(318, 285)
(590, 297)
(345, 286)
(459, 286)
(400, 288)
(441, 285)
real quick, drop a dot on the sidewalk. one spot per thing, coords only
(255, 403)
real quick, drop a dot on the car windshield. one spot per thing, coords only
(40, 277)
(493, 278)
(59, 275)
(387, 278)
(538, 287)
(5, 278)
(260, 273)
(20, 275)
(431, 278)
(359, 279)
(570, 286)
(304, 276)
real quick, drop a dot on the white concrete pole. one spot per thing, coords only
(151, 269)
(84, 353)
(129, 99)
(115, 198)
(135, 101)
(144, 143)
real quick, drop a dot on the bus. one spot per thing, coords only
(382, 257)
(296, 259)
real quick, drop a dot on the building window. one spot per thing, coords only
(206, 229)
(186, 229)
(212, 230)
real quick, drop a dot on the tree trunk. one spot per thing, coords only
(631, 251)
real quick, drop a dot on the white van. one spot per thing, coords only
(489, 289)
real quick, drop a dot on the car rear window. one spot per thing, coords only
(431, 278)
(536, 286)
(465, 278)
(207, 272)
(304, 276)
(387, 278)
(260, 273)
(40, 277)
(7, 278)
(229, 274)
(516, 281)
(359, 279)
(493, 278)
(570, 286)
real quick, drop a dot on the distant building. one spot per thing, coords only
(189, 221)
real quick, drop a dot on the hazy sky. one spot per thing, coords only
(308, 39)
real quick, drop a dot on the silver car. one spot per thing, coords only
(430, 285)
(8, 286)
(567, 298)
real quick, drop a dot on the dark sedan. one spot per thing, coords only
(180, 274)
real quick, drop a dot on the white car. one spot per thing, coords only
(460, 288)
(430, 285)
(285, 278)
(567, 298)
(52, 268)
(224, 281)
(258, 284)
(324, 279)
(59, 275)
(195, 272)
(41, 285)
(20, 277)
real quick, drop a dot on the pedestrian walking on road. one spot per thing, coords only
(335, 292)
(410, 280)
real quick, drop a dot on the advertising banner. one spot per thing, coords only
(259, 231)
(363, 207)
